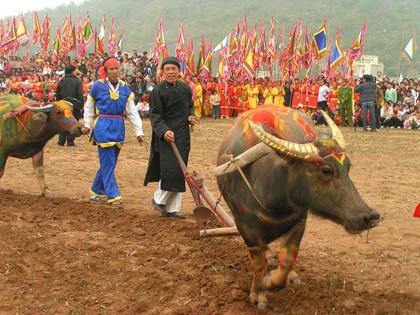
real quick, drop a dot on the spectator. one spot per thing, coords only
(145, 108)
(390, 93)
(367, 100)
(317, 117)
(70, 89)
(215, 102)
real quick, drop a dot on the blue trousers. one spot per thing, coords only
(105, 182)
(368, 106)
(216, 111)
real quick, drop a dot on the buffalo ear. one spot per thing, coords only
(39, 121)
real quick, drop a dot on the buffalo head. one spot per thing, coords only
(56, 117)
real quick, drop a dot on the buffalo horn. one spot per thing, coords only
(335, 131)
(44, 109)
(303, 151)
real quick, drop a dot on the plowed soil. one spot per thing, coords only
(70, 256)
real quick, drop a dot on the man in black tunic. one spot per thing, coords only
(70, 89)
(171, 114)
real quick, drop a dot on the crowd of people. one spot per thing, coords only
(396, 104)
(107, 91)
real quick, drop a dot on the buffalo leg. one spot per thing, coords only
(38, 163)
(3, 159)
(259, 266)
(280, 277)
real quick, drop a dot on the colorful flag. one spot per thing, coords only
(99, 48)
(224, 43)
(1, 37)
(9, 37)
(201, 56)
(87, 30)
(160, 49)
(248, 64)
(271, 44)
(319, 41)
(189, 69)
(21, 32)
(67, 39)
(358, 43)
(120, 41)
(101, 34)
(234, 42)
(262, 49)
(180, 45)
(112, 41)
(37, 31)
(407, 50)
(298, 51)
(45, 37)
(56, 45)
(81, 46)
(307, 52)
(416, 213)
(337, 55)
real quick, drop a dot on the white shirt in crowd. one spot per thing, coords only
(323, 93)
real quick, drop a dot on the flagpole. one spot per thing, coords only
(402, 43)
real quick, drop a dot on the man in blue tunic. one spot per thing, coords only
(108, 100)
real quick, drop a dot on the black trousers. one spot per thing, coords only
(322, 105)
(63, 138)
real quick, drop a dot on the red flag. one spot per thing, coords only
(99, 48)
(189, 63)
(358, 43)
(160, 46)
(81, 46)
(21, 32)
(37, 31)
(45, 37)
(416, 213)
(180, 45)
(112, 40)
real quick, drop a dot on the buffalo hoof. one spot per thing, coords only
(271, 262)
(293, 277)
(262, 306)
(48, 194)
(259, 298)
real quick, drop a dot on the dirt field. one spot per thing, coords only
(69, 256)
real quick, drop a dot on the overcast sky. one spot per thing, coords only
(16, 7)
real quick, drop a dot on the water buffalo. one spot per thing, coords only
(25, 128)
(303, 171)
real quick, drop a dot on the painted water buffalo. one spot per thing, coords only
(25, 128)
(302, 171)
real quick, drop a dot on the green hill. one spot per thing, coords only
(389, 23)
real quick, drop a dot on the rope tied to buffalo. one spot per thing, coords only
(238, 167)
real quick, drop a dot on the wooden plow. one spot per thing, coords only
(199, 192)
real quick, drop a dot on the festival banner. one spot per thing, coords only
(319, 42)
(112, 41)
(37, 31)
(407, 51)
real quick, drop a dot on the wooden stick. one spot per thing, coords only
(245, 158)
(226, 231)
